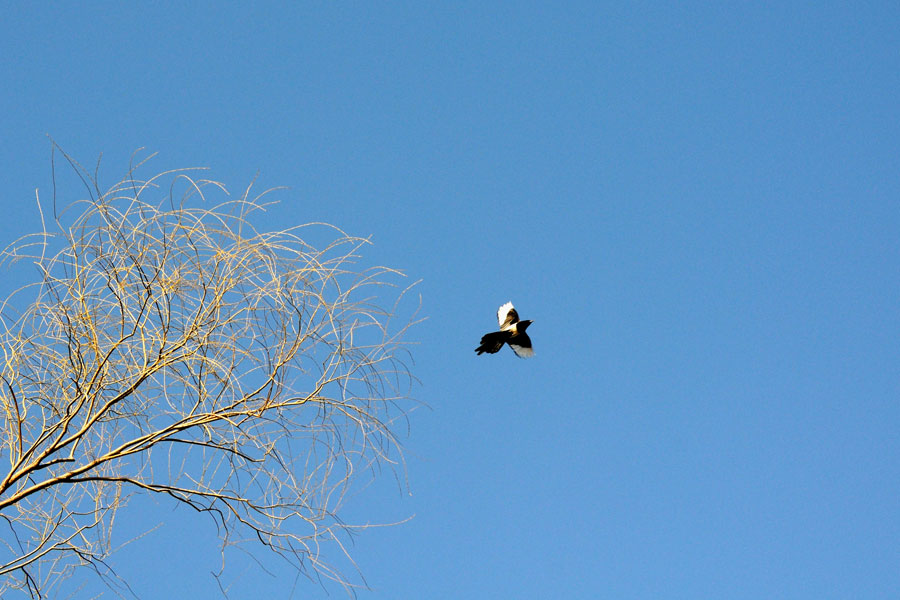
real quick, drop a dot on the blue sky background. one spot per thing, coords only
(699, 206)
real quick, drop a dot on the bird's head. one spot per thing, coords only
(523, 325)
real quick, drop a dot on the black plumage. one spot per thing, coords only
(512, 332)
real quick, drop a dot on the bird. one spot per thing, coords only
(512, 332)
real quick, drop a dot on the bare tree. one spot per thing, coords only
(171, 349)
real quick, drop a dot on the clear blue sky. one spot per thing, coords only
(698, 205)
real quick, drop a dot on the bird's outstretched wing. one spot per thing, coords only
(492, 342)
(507, 315)
(521, 345)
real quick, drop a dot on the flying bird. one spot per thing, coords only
(512, 332)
